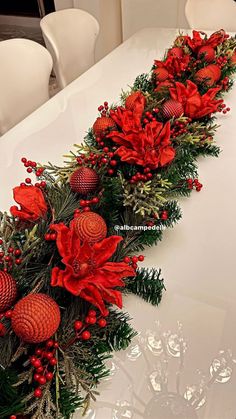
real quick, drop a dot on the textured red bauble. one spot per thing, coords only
(131, 100)
(8, 291)
(35, 318)
(172, 109)
(210, 74)
(207, 53)
(102, 125)
(161, 74)
(90, 226)
(176, 52)
(84, 180)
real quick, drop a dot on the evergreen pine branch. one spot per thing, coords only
(69, 401)
(147, 284)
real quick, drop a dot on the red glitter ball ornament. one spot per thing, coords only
(102, 125)
(131, 100)
(209, 74)
(35, 318)
(207, 53)
(161, 74)
(172, 108)
(8, 291)
(90, 226)
(84, 180)
(176, 52)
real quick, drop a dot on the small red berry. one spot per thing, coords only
(18, 261)
(126, 259)
(78, 325)
(113, 163)
(38, 352)
(95, 200)
(39, 370)
(53, 236)
(141, 258)
(53, 361)
(38, 392)
(3, 330)
(92, 320)
(102, 322)
(28, 180)
(92, 313)
(110, 172)
(17, 252)
(134, 259)
(8, 314)
(43, 184)
(13, 417)
(50, 343)
(86, 335)
(37, 377)
(37, 363)
(49, 376)
(42, 380)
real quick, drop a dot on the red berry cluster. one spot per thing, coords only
(194, 183)
(106, 158)
(179, 127)
(149, 117)
(222, 108)
(86, 203)
(81, 328)
(143, 177)
(133, 260)
(32, 167)
(222, 61)
(44, 362)
(103, 109)
(50, 236)
(9, 257)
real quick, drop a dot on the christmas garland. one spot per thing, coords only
(69, 248)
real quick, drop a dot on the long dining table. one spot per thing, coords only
(181, 364)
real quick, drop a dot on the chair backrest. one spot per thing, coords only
(211, 14)
(70, 36)
(25, 68)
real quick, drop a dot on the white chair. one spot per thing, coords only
(70, 36)
(211, 14)
(25, 68)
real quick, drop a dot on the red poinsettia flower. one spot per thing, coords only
(148, 147)
(31, 201)
(127, 120)
(197, 41)
(175, 65)
(195, 106)
(87, 272)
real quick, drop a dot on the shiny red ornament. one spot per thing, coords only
(133, 100)
(161, 74)
(35, 318)
(8, 291)
(102, 125)
(206, 53)
(176, 52)
(172, 109)
(84, 181)
(90, 226)
(209, 74)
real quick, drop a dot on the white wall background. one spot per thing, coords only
(119, 19)
(138, 14)
(108, 14)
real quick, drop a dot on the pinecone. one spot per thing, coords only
(84, 180)
(172, 109)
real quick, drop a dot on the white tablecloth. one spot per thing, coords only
(181, 343)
